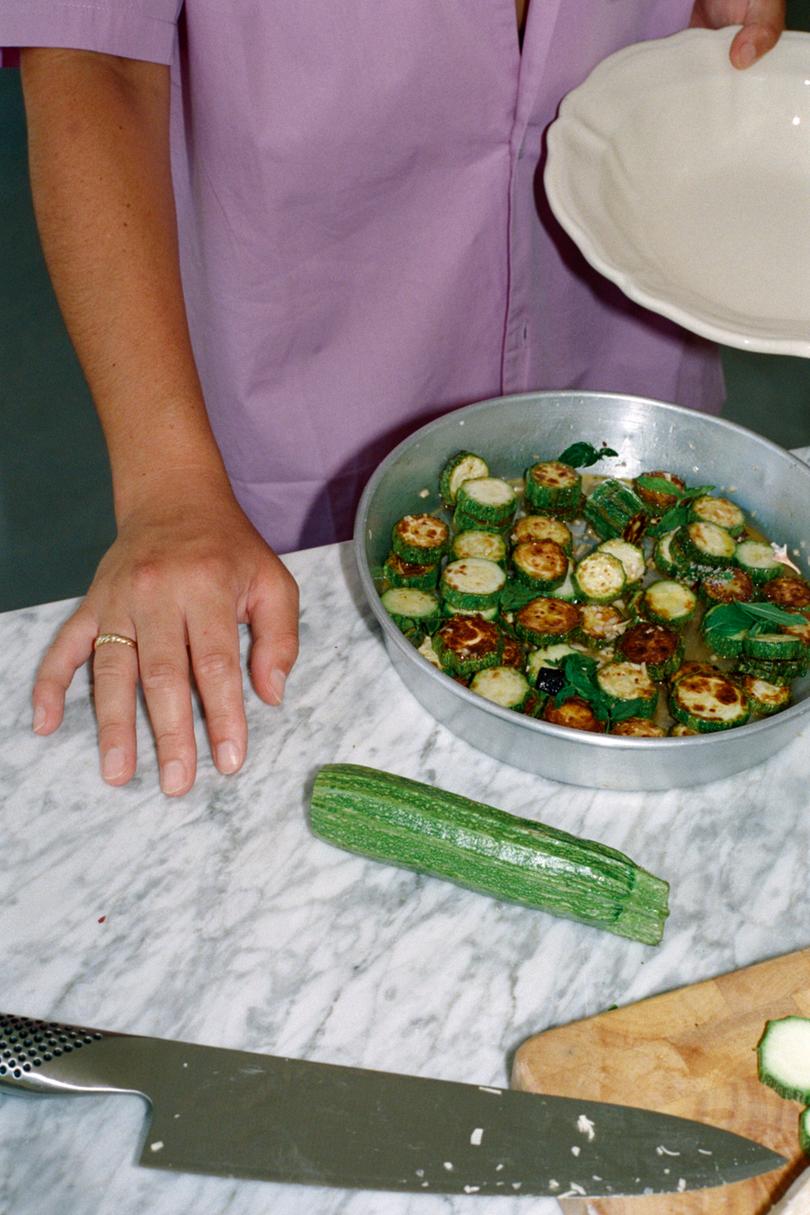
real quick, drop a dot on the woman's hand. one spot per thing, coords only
(762, 22)
(180, 577)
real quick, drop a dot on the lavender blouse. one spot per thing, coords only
(365, 241)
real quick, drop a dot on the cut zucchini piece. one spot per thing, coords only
(466, 644)
(540, 563)
(657, 646)
(628, 686)
(687, 567)
(765, 698)
(668, 602)
(391, 818)
(543, 527)
(567, 590)
(773, 647)
(658, 501)
(490, 499)
(553, 487)
(502, 685)
(461, 467)
(758, 560)
(601, 624)
(631, 557)
(706, 543)
(420, 539)
(615, 510)
(599, 577)
(780, 673)
(722, 511)
(728, 585)
(427, 651)
(574, 713)
(472, 583)
(708, 702)
(725, 645)
(679, 730)
(408, 607)
(800, 629)
(804, 1134)
(664, 560)
(465, 522)
(489, 545)
(694, 668)
(783, 1057)
(638, 727)
(514, 653)
(487, 613)
(787, 592)
(547, 620)
(402, 573)
(548, 657)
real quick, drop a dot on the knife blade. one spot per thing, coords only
(241, 1114)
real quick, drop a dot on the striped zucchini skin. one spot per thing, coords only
(402, 573)
(614, 510)
(420, 539)
(553, 488)
(488, 499)
(391, 818)
(460, 467)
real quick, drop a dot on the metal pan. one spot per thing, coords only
(512, 432)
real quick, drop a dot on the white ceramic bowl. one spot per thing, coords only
(687, 182)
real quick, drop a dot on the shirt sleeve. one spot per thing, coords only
(133, 29)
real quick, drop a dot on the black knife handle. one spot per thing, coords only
(51, 1057)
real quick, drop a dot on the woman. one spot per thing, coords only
(283, 236)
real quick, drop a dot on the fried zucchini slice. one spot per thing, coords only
(575, 713)
(540, 563)
(466, 644)
(546, 620)
(659, 647)
(707, 703)
(420, 539)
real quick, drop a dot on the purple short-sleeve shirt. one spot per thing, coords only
(365, 242)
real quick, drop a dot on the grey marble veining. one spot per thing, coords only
(219, 918)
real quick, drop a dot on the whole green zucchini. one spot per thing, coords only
(391, 818)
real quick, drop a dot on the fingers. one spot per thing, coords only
(273, 614)
(764, 22)
(214, 647)
(115, 678)
(72, 647)
(164, 674)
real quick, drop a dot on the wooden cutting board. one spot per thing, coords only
(689, 1052)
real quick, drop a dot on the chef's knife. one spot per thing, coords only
(249, 1115)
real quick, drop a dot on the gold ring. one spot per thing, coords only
(105, 638)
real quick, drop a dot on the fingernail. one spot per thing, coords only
(40, 715)
(228, 757)
(277, 681)
(173, 776)
(746, 54)
(112, 763)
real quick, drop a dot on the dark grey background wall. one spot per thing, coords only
(55, 500)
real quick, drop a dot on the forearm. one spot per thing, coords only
(100, 174)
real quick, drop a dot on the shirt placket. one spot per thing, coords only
(521, 309)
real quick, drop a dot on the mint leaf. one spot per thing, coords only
(583, 455)
(660, 485)
(729, 618)
(515, 596)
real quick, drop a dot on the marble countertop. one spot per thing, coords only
(220, 919)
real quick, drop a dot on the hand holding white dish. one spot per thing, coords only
(686, 182)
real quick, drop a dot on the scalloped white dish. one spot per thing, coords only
(687, 183)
